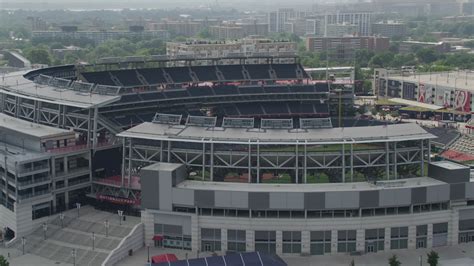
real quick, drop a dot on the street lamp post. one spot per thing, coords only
(148, 252)
(45, 228)
(73, 254)
(93, 240)
(107, 224)
(61, 217)
(23, 243)
(78, 207)
(120, 214)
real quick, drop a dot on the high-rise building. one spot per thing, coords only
(214, 49)
(277, 19)
(363, 20)
(344, 48)
(390, 29)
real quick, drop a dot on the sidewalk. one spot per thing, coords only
(462, 255)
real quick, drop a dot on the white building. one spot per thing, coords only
(42, 171)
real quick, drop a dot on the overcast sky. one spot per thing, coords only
(166, 4)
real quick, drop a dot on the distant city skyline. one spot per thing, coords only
(166, 4)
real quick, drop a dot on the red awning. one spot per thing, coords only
(157, 238)
(164, 258)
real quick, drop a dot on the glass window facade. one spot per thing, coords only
(346, 241)
(291, 242)
(265, 241)
(399, 237)
(320, 242)
(236, 240)
(210, 239)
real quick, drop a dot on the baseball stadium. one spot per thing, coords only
(254, 156)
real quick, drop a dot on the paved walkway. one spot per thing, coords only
(462, 255)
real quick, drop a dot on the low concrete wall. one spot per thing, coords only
(133, 241)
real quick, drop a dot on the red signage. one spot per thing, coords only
(118, 200)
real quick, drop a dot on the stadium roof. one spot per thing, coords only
(355, 186)
(385, 133)
(15, 84)
(463, 80)
(30, 128)
(238, 259)
(415, 103)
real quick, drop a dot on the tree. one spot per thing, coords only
(39, 56)
(433, 258)
(469, 44)
(3, 261)
(426, 55)
(393, 261)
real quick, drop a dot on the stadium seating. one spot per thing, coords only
(172, 94)
(251, 90)
(231, 110)
(225, 90)
(152, 75)
(285, 71)
(128, 78)
(276, 89)
(150, 96)
(249, 108)
(322, 87)
(302, 88)
(131, 98)
(464, 144)
(179, 74)
(102, 78)
(258, 72)
(445, 136)
(301, 108)
(205, 73)
(232, 72)
(200, 91)
(275, 108)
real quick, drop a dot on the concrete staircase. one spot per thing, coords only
(62, 237)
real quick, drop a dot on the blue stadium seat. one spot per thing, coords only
(127, 77)
(172, 94)
(179, 74)
(101, 77)
(200, 91)
(322, 87)
(251, 90)
(150, 96)
(205, 73)
(232, 72)
(276, 89)
(231, 110)
(301, 108)
(250, 108)
(225, 90)
(302, 88)
(152, 75)
(130, 98)
(285, 71)
(275, 108)
(258, 72)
